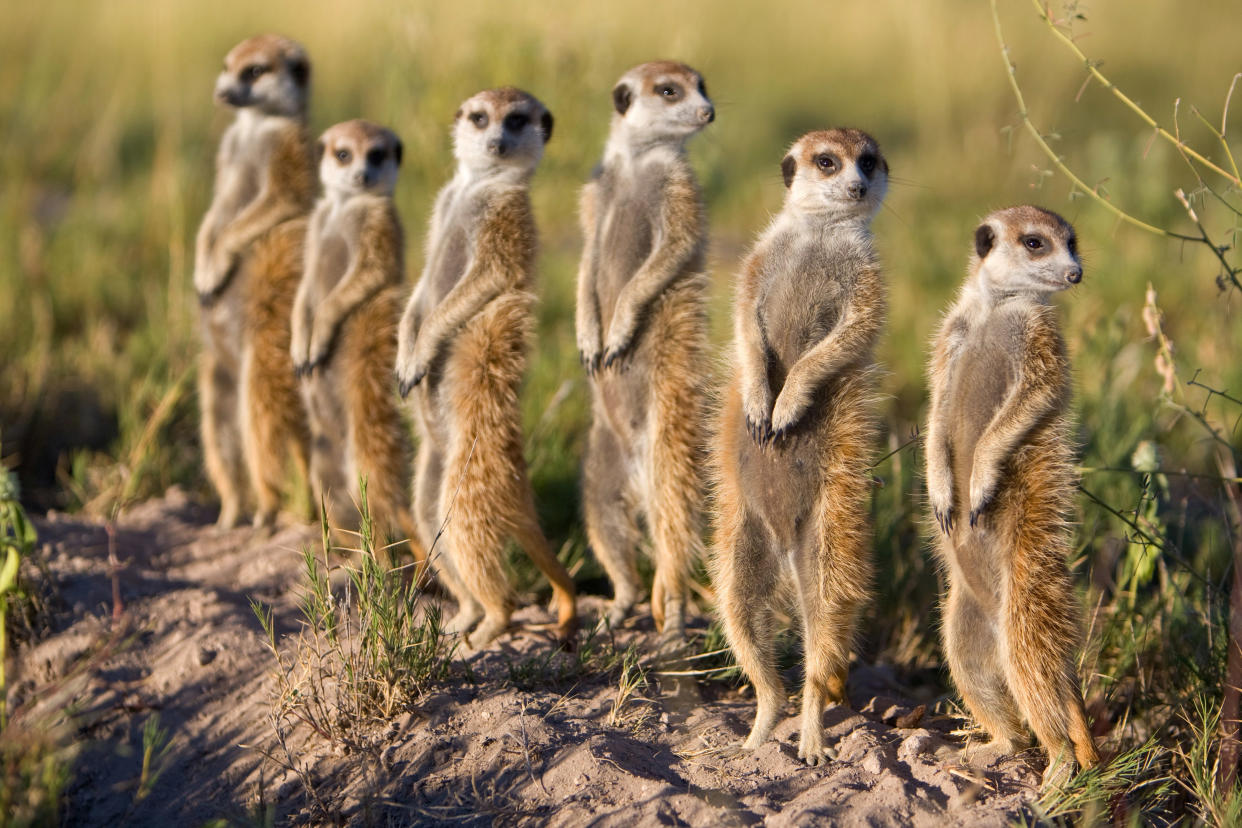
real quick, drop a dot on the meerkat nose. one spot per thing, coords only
(497, 146)
(857, 190)
(1074, 274)
(707, 114)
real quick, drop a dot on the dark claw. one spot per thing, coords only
(208, 299)
(975, 515)
(945, 520)
(404, 388)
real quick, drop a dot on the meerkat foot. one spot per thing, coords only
(264, 524)
(811, 742)
(988, 753)
(488, 630)
(467, 615)
(1060, 770)
(764, 724)
(230, 516)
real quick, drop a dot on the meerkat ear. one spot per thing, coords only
(397, 151)
(299, 69)
(985, 237)
(320, 148)
(457, 115)
(622, 96)
(545, 122)
(788, 167)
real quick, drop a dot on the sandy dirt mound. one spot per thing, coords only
(488, 745)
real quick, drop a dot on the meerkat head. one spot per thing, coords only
(501, 128)
(1026, 249)
(837, 173)
(358, 157)
(660, 102)
(267, 72)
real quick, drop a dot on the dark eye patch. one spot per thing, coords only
(1072, 244)
(479, 119)
(867, 164)
(253, 72)
(377, 156)
(671, 92)
(516, 121)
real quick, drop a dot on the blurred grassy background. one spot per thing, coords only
(108, 131)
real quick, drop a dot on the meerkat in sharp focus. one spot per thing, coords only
(463, 343)
(1001, 480)
(344, 337)
(798, 428)
(641, 329)
(247, 267)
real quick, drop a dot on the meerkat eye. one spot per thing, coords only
(343, 155)
(867, 164)
(1033, 242)
(826, 162)
(479, 119)
(377, 156)
(253, 72)
(516, 122)
(668, 91)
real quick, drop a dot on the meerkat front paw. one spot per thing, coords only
(411, 370)
(211, 280)
(616, 348)
(317, 352)
(790, 407)
(940, 494)
(757, 409)
(589, 351)
(983, 480)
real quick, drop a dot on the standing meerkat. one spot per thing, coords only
(642, 330)
(1001, 481)
(463, 343)
(247, 266)
(798, 428)
(344, 337)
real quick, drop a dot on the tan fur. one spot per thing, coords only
(797, 433)
(344, 338)
(641, 332)
(1002, 481)
(248, 257)
(464, 342)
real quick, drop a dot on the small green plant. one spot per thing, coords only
(17, 540)
(155, 748)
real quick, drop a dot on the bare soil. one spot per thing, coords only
(157, 620)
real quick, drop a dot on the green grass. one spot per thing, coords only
(107, 134)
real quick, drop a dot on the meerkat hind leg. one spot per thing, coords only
(222, 437)
(973, 651)
(611, 529)
(826, 644)
(748, 586)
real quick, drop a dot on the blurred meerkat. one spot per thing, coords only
(344, 336)
(463, 344)
(1001, 481)
(798, 428)
(247, 266)
(641, 330)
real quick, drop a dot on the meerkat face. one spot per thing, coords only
(838, 172)
(267, 72)
(501, 128)
(358, 157)
(1027, 248)
(662, 100)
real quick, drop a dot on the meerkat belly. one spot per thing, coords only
(223, 323)
(331, 264)
(625, 242)
(782, 482)
(982, 377)
(449, 263)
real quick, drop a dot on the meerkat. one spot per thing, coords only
(797, 429)
(1001, 481)
(462, 344)
(344, 331)
(641, 331)
(247, 267)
